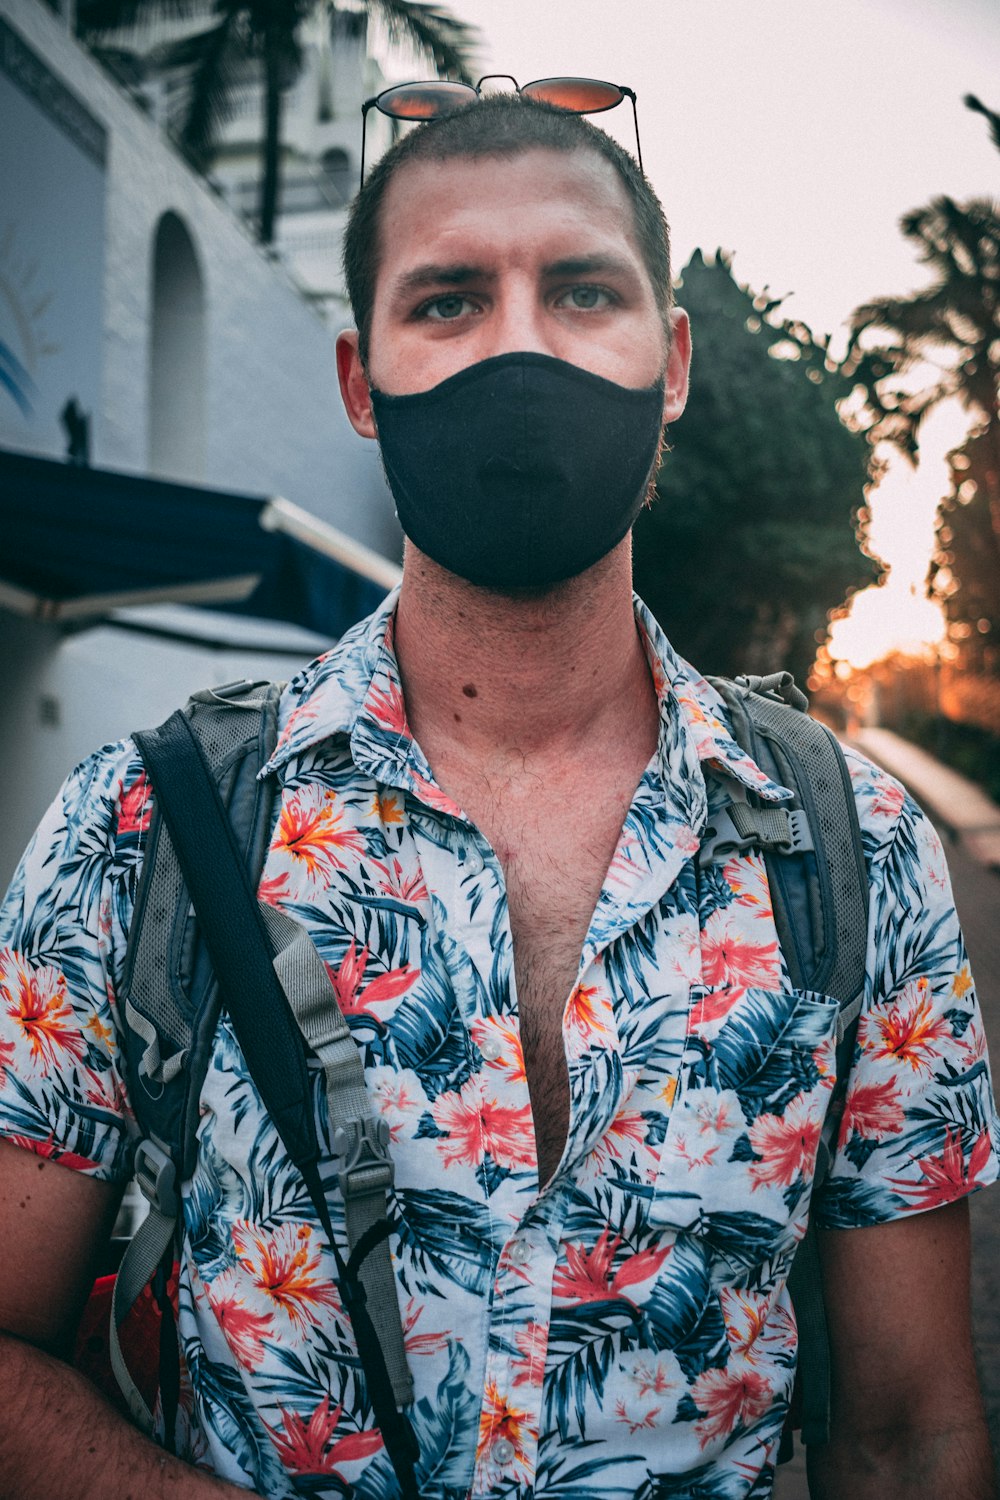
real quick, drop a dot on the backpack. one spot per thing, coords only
(207, 844)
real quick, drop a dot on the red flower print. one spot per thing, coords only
(6, 1058)
(37, 1002)
(747, 879)
(410, 889)
(635, 1424)
(623, 1141)
(586, 1017)
(476, 1123)
(729, 958)
(872, 1110)
(52, 1152)
(283, 1267)
(348, 979)
(304, 714)
(946, 1177)
(385, 705)
(888, 800)
(532, 1342)
(307, 1447)
(787, 1143)
(135, 806)
(273, 889)
(433, 796)
(908, 1030)
(500, 1421)
(650, 1378)
(309, 832)
(243, 1329)
(486, 1032)
(587, 1274)
(420, 1343)
(755, 1326)
(729, 1398)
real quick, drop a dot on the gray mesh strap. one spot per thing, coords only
(829, 786)
(143, 1255)
(359, 1138)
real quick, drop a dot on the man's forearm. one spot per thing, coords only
(905, 1463)
(60, 1440)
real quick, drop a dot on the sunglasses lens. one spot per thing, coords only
(424, 101)
(584, 96)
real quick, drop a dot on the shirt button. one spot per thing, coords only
(503, 1450)
(520, 1253)
(471, 859)
(491, 1048)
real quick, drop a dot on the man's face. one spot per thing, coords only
(487, 256)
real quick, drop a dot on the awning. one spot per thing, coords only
(77, 543)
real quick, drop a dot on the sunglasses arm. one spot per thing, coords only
(368, 104)
(630, 95)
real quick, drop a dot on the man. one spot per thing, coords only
(492, 795)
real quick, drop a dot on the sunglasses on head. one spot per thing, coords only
(439, 96)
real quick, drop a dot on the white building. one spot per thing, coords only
(131, 292)
(320, 131)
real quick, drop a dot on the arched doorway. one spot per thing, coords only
(177, 355)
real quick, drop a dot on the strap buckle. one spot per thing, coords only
(156, 1174)
(367, 1167)
(738, 827)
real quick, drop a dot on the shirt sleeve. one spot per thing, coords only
(919, 1127)
(61, 1088)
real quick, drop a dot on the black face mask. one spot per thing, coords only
(520, 470)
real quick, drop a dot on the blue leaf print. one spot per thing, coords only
(446, 1429)
(680, 1293)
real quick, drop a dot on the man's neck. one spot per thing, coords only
(489, 679)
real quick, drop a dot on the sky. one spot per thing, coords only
(793, 134)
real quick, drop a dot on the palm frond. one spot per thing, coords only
(216, 59)
(449, 43)
(95, 17)
(971, 102)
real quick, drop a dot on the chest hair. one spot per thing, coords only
(554, 847)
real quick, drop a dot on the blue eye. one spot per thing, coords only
(587, 298)
(444, 309)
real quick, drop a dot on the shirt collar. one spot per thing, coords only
(687, 700)
(355, 690)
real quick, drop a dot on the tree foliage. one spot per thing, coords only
(232, 36)
(964, 574)
(910, 353)
(754, 536)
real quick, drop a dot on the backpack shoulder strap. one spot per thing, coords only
(265, 993)
(818, 880)
(171, 1000)
(814, 856)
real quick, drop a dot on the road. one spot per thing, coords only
(977, 896)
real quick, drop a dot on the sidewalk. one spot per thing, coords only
(954, 802)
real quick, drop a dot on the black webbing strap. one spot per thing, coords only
(233, 931)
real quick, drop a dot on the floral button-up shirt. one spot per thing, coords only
(624, 1331)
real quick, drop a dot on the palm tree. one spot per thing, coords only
(951, 328)
(268, 34)
(911, 353)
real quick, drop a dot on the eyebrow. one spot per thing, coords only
(591, 265)
(462, 273)
(455, 274)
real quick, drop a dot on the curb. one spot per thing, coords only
(961, 807)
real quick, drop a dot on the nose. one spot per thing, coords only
(519, 324)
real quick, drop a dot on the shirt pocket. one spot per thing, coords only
(739, 1156)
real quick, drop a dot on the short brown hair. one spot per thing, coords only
(496, 125)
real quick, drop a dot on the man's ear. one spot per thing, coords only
(678, 365)
(354, 390)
